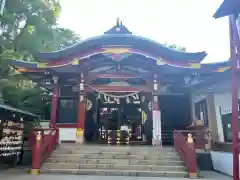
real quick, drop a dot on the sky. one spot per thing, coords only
(187, 23)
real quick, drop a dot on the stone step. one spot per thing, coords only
(83, 151)
(116, 156)
(109, 148)
(115, 161)
(110, 172)
(114, 166)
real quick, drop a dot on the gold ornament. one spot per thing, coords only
(80, 132)
(144, 117)
(89, 105)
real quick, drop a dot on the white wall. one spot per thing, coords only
(223, 105)
(223, 162)
(67, 134)
(222, 95)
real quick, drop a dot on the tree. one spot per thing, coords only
(62, 38)
(27, 27)
(176, 47)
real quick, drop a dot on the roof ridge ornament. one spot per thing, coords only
(119, 28)
(119, 22)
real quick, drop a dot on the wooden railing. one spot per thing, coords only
(201, 138)
(43, 142)
(187, 152)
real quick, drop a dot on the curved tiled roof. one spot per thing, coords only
(120, 36)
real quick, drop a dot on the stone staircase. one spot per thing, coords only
(115, 161)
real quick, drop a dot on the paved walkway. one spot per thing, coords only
(20, 176)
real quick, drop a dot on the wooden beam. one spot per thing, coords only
(105, 88)
(114, 75)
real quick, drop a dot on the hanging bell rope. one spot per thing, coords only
(112, 95)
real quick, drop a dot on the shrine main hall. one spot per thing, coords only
(119, 88)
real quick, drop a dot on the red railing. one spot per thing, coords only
(43, 142)
(200, 137)
(187, 152)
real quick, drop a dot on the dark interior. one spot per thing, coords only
(175, 114)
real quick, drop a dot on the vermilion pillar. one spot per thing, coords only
(81, 113)
(234, 45)
(55, 97)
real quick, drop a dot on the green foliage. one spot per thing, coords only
(176, 47)
(27, 27)
(25, 98)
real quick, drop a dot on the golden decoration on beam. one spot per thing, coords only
(75, 62)
(160, 62)
(222, 69)
(42, 65)
(116, 50)
(195, 65)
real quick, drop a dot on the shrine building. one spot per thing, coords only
(122, 88)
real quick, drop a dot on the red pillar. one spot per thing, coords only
(234, 40)
(81, 113)
(36, 154)
(55, 97)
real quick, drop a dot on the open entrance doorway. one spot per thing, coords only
(120, 123)
(107, 120)
(116, 120)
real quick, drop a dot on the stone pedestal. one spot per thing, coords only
(157, 142)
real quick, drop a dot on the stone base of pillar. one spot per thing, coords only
(80, 136)
(156, 142)
(34, 171)
(193, 175)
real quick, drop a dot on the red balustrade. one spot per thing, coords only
(43, 142)
(187, 152)
(200, 137)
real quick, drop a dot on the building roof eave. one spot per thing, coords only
(24, 66)
(7, 107)
(121, 40)
(227, 8)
